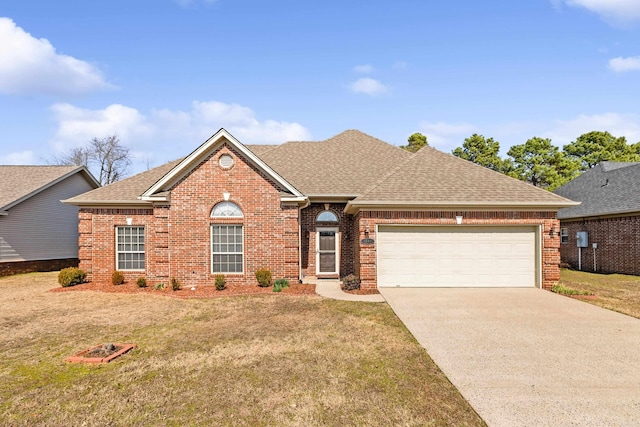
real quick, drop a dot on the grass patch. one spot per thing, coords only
(618, 292)
(563, 290)
(254, 360)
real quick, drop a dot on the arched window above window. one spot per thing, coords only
(327, 216)
(226, 210)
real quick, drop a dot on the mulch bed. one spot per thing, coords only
(186, 292)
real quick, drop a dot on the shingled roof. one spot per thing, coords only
(608, 188)
(18, 183)
(354, 165)
(434, 178)
(126, 191)
(346, 164)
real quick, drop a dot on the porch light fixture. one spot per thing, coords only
(129, 221)
(459, 219)
(226, 196)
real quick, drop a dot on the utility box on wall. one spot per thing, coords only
(582, 239)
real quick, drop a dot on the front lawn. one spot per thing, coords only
(617, 292)
(251, 360)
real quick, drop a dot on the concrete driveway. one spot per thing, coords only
(528, 357)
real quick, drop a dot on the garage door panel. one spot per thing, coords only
(432, 256)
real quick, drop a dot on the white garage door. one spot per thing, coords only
(462, 256)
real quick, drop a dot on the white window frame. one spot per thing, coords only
(335, 221)
(226, 209)
(564, 235)
(213, 271)
(118, 251)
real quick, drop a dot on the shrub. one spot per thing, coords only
(221, 283)
(175, 285)
(158, 286)
(117, 277)
(263, 276)
(279, 284)
(142, 282)
(71, 276)
(350, 283)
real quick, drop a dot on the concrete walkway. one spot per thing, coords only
(331, 289)
(528, 357)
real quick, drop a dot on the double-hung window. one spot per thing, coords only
(130, 248)
(227, 249)
(227, 240)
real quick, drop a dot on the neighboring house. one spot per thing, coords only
(609, 214)
(349, 204)
(37, 231)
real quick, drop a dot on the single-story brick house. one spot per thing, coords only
(349, 204)
(37, 231)
(610, 216)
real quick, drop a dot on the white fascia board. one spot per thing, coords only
(354, 207)
(182, 168)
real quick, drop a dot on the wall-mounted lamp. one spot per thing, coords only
(226, 196)
(459, 219)
(554, 231)
(129, 221)
(366, 232)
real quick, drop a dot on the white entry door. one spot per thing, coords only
(327, 250)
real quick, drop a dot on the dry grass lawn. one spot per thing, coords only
(617, 292)
(271, 360)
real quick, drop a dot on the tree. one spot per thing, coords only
(594, 147)
(106, 158)
(482, 151)
(542, 164)
(416, 142)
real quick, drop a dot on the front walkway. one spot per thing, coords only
(528, 357)
(331, 289)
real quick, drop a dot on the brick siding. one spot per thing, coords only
(178, 235)
(618, 242)
(309, 227)
(365, 263)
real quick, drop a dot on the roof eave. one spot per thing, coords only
(106, 203)
(331, 197)
(356, 206)
(79, 169)
(600, 214)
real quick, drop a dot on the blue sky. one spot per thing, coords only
(166, 74)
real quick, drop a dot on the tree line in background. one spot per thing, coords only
(538, 161)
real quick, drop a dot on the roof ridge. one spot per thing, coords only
(384, 178)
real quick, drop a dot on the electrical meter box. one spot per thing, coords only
(582, 238)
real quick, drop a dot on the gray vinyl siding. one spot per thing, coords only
(42, 227)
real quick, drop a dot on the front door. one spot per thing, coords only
(327, 254)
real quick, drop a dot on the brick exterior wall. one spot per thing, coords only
(365, 263)
(618, 242)
(309, 226)
(178, 235)
(20, 267)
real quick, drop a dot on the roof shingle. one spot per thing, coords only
(606, 189)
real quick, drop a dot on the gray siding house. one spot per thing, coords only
(37, 231)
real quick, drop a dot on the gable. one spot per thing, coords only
(204, 153)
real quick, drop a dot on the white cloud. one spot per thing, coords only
(369, 86)
(563, 132)
(163, 135)
(617, 12)
(19, 158)
(446, 136)
(620, 64)
(364, 68)
(29, 65)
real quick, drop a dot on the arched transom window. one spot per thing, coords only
(226, 210)
(327, 216)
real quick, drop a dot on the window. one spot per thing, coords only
(226, 248)
(564, 235)
(225, 161)
(130, 248)
(327, 216)
(226, 210)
